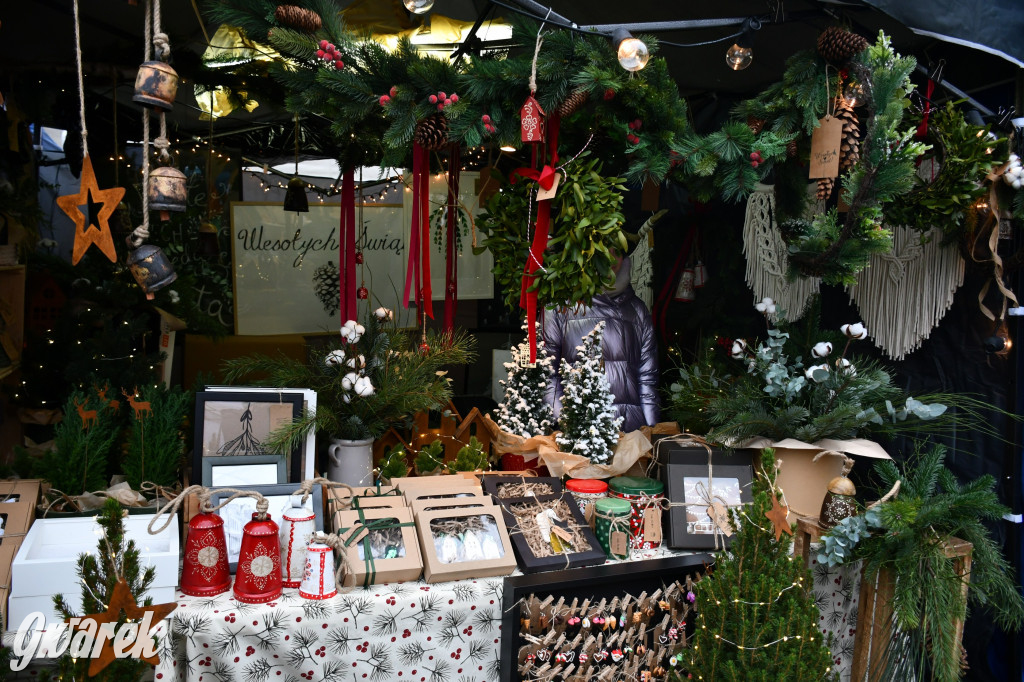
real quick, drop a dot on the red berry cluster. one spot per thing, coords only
(488, 126)
(330, 54)
(386, 99)
(755, 158)
(634, 125)
(609, 95)
(442, 100)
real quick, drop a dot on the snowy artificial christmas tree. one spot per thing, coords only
(588, 422)
(524, 410)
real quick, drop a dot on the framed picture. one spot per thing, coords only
(688, 489)
(592, 583)
(245, 470)
(239, 511)
(236, 424)
(308, 463)
(532, 521)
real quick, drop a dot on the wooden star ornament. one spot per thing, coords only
(779, 516)
(91, 226)
(122, 600)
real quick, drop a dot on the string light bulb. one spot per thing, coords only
(632, 52)
(418, 6)
(741, 54)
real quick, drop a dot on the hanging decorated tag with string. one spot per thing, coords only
(825, 142)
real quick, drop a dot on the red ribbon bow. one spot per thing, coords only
(545, 177)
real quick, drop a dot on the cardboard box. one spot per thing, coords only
(529, 562)
(407, 483)
(456, 503)
(495, 546)
(493, 485)
(18, 500)
(480, 476)
(407, 566)
(46, 562)
(379, 502)
(443, 492)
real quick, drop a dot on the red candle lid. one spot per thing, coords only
(586, 485)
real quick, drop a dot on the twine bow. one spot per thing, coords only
(205, 505)
(361, 532)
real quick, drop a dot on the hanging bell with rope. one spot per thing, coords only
(295, 196)
(151, 268)
(204, 567)
(258, 578)
(156, 85)
(167, 190)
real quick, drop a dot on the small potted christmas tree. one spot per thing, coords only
(524, 411)
(588, 422)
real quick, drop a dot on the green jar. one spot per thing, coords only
(606, 510)
(639, 491)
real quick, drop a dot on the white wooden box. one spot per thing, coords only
(46, 563)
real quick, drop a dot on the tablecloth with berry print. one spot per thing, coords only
(446, 632)
(836, 591)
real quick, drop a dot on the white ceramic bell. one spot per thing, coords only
(297, 525)
(318, 576)
(685, 291)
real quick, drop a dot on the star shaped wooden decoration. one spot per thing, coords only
(122, 600)
(779, 516)
(92, 228)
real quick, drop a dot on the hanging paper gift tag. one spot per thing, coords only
(825, 143)
(549, 193)
(720, 517)
(652, 525)
(531, 121)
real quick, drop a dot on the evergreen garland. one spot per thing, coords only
(524, 410)
(756, 618)
(155, 440)
(116, 557)
(588, 423)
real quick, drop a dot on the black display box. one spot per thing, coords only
(530, 563)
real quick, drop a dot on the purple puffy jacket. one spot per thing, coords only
(629, 348)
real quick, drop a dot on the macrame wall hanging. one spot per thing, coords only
(642, 273)
(904, 294)
(768, 259)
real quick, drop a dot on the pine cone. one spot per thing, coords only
(825, 186)
(432, 132)
(298, 18)
(849, 148)
(791, 149)
(574, 101)
(837, 45)
(756, 124)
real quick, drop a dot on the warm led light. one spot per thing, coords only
(507, 148)
(633, 54)
(738, 57)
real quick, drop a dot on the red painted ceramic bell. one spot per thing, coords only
(258, 577)
(204, 571)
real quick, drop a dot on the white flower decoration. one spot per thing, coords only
(174, 296)
(809, 372)
(856, 330)
(334, 358)
(766, 306)
(738, 348)
(363, 387)
(846, 365)
(349, 381)
(358, 362)
(352, 331)
(821, 349)
(384, 314)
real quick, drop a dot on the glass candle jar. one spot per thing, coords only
(642, 493)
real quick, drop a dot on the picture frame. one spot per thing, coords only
(309, 403)
(247, 470)
(529, 562)
(689, 526)
(232, 424)
(608, 580)
(239, 511)
(493, 484)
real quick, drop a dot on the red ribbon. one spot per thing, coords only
(922, 129)
(417, 273)
(545, 178)
(451, 282)
(347, 250)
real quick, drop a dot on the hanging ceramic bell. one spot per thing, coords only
(318, 576)
(685, 290)
(156, 85)
(839, 502)
(258, 578)
(295, 196)
(151, 269)
(297, 525)
(700, 274)
(167, 191)
(204, 571)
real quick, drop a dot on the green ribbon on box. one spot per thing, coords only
(361, 533)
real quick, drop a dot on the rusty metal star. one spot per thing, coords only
(93, 228)
(779, 516)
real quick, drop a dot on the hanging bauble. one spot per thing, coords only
(362, 294)
(418, 6)
(295, 198)
(700, 274)
(531, 119)
(258, 578)
(168, 191)
(151, 269)
(359, 258)
(685, 290)
(839, 502)
(204, 569)
(297, 526)
(298, 18)
(837, 45)
(432, 132)
(318, 580)
(156, 85)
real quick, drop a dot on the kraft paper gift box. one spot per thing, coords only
(443, 492)
(496, 485)
(380, 530)
(46, 562)
(376, 502)
(589, 552)
(478, 502)
(464, 543)
(407, 483)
